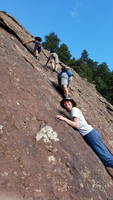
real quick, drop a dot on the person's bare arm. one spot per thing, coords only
(48, 60)
(29, 41)
(73, 124)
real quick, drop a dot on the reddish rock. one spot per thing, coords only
(42, 158)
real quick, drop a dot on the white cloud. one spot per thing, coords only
(74, 12)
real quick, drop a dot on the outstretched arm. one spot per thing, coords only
(73, 123)
(47, 60)
(29, 41)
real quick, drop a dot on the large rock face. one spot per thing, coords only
(42, 158)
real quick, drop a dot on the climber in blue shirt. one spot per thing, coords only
(37, 46)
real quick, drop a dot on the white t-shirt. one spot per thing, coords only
(55, 57)
(84, 127)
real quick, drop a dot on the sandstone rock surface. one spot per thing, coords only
(42, 158)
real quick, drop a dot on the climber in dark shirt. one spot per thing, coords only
(37, 46)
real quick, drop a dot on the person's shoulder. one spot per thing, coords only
(75, 112)
(55, 54)
(75, 109)
(51, 53)
(64, 73)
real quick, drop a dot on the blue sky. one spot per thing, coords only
(81, 24)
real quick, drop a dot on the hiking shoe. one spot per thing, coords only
(71, 88)
(66, 96)
(110, 171)
(38, 58)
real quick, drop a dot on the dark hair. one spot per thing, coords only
(52, 51)
(38, 38)
(67, 99)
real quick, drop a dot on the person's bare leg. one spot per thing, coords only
(53, 65)
(65, 90)
(56, 66)
(37, 54)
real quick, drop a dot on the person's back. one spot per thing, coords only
(63, 81)
(54, 55)
(70, 76)
(69, 72)
(65, 76)
(53, 58)
(37, 46)
(84, 127)
(37, 43)
(61, 76)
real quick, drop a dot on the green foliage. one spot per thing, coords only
(84, 56)
(72, 63)
(109, 90)
(99, 74)
(51, 42)
(64, 53)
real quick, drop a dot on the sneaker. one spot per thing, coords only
(66, 96)
(71, 88)
(54, 70)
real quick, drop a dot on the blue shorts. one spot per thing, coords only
(37, 49)
(94, 140)
(64, 79)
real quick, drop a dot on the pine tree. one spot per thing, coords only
(64, 53)
(84, 56)
(51, 42)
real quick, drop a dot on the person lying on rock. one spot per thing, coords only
(37, 46)
(90, 135)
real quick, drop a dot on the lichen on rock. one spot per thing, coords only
(47, 134)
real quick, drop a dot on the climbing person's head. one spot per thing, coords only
(64, 67)
(52, 51)
(38, 39)
(68, 103)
